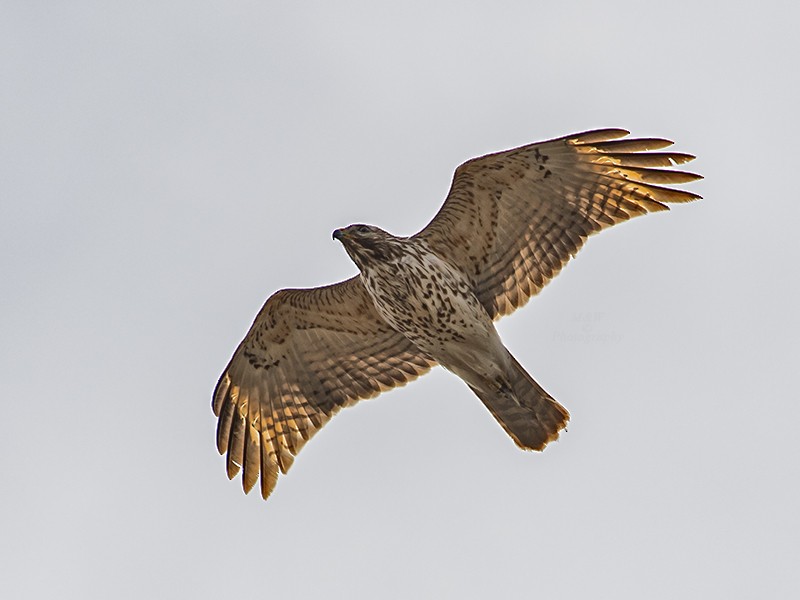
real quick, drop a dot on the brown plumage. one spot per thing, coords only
(510, 222)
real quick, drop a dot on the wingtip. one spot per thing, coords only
(231, 470)
(598, 135)
(220, 391)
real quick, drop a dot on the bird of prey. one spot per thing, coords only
(510, 222)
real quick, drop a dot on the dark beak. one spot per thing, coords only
(338, 234)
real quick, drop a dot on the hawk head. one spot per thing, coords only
(367, 244)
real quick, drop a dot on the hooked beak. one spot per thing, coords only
(338, 234)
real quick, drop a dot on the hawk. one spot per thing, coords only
(509, 224)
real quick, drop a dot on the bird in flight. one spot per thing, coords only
(510, 222)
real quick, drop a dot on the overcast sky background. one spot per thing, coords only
(165, 167)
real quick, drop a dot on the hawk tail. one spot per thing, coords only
(528, 413)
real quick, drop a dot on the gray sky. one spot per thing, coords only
(167, 166)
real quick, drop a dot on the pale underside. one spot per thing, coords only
(511, 221)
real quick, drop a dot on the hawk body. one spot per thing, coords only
(511, 221)
(417, 292)
(432, 303)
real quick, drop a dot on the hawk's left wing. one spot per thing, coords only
(309, 353)
(513, 219)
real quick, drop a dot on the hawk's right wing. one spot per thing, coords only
(309, 353)
(513, 219)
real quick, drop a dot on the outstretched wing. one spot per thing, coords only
(513, 219)
(309, 353)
